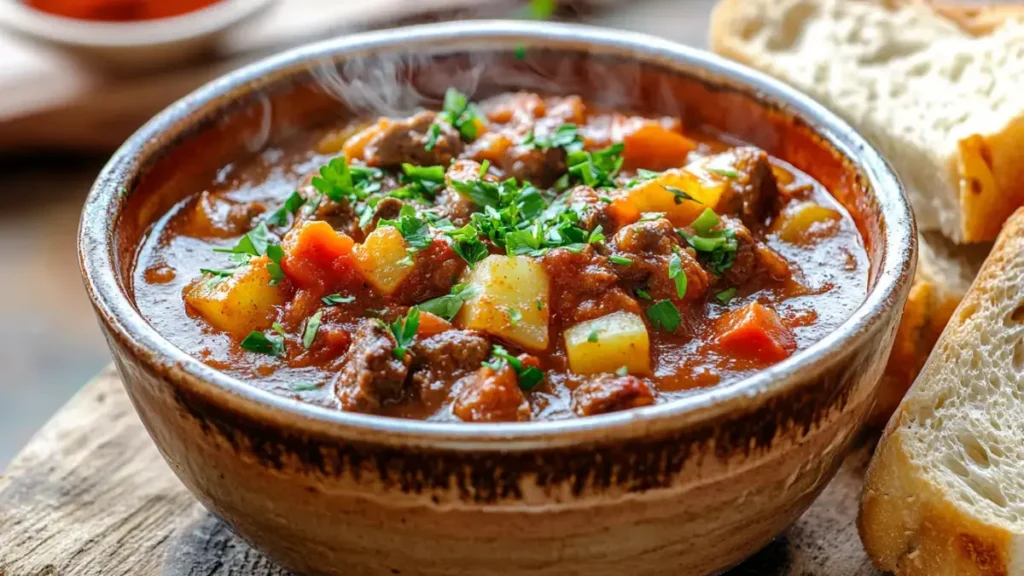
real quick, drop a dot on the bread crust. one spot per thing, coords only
(909, 525)
(988, 167)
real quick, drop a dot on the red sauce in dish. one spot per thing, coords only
(119, 10)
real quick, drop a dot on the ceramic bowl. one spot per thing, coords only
(687, 487)
(132, 46)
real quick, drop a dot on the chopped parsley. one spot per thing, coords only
(622, 371)
(665, 316)
(342, 182)
(529, 376)
(540, 305)
(290, 207)
(715, 248)
(415, 230)
(217, 273)
(566, 136)
(421, 182)
(726, 295)
(484, 167)
(448, 306)
(650, 216)
(467, 244)
(514, 315)
(642, 176)
(595, 169)
(676, 273)
(620, 260)
(726, 172)
(312, 325)
(643, 294)
(305, 386)
(592, 337)
(269, 344)
(680, 195)
(404, 331)
(460, 113)
(252, 244)
(275, 253)
(336, 299)
(432, 133)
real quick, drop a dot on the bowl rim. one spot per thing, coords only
(125, 323)
(47, 27)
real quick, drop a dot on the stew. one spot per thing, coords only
(521, 258)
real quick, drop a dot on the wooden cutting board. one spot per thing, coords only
(90, 494)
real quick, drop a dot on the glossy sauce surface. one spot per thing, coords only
(804, 278)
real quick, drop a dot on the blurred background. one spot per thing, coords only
(78, 76)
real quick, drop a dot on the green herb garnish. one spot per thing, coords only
(726, 172)
(529, 376)
(514, 315)
(217, 273)
(592, 337)
(622, 371)
(715, 248)
(275, 253)
(261, 343)
(725, 295)
(290, 207)
(415, 230)
(643, 294)
(665, 315)
(566, 136)
(621, 261)
(305, 386)
(676, 273)
(336, 299)
(404, 331)
(312, 325)
(680, 195)
(596, 169)
(460, 113)
(448, 306)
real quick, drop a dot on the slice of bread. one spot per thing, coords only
(937, 89)
(944, 495)
(944, 274)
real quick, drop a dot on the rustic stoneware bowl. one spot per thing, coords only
(687, 487)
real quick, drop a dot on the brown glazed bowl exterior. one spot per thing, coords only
(691, 486)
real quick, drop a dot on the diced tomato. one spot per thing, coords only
(431, 324)
(315, 256)
(651, 144)
(754, 332)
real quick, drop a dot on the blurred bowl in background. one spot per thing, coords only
(131, 45)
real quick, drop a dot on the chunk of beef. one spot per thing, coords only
(371, 374)
(607, 393)
(534, 165)
(435, 270)
(214, 216)
(583, 286)
(340, 215)
(450, 203)
(387, 209)
(491, 396)
(593, 211)
(753, 259)
(398, 141)
(753, 194)
(441, 360)
(650, 246)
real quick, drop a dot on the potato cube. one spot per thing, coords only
(806, 223)
(382, 259)
(608, 343)
(239, 303)
(662, 194)
(512, 300)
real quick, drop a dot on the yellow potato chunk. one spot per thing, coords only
(381, 259)
(512, 300)
(704, 180)
(805, 223)
(608, 343)
(239, 303)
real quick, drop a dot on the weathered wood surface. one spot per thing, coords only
(90, 494)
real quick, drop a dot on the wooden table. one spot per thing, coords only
(90, 494)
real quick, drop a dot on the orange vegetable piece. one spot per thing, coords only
(754, 332)
(316, 256)
(431, 324)
(651, 144)
(623, 211)
(355, 146)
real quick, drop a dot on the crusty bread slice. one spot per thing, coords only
(937, 89)
(944, 274)
(944, 495)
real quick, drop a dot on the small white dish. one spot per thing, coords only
(131, 46)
